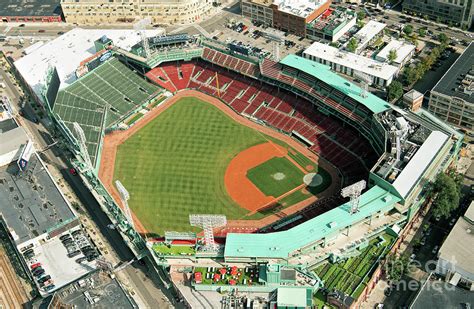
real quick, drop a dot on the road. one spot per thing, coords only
(152, 293)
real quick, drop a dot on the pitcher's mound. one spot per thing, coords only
(279, 176)
(312, 180)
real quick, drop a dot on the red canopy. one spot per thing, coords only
(198, 277)
(232, 282)
(233, 270)
(217, 277)
(327, 13)
(223, 271)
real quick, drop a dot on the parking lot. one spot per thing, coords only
(60, 260)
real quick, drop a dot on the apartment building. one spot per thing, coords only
(457, 12)
(117, 11)
(286, 15)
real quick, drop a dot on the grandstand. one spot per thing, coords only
(363, 136)
(99, 100)
(281, 109)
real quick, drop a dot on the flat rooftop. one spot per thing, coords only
(369, 31)
(454, 247)
(324, 73)
(440, 294)
(351, 60)
(300, 8)
(105, 292)
(419, 163)
(52, 255)
(451, 80)
(67, 51)
(13, 140)
(7, 125)
(332, 19)
(402, 48)
(30, 8)
(31, 204)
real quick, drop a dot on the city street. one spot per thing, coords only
(137, 275)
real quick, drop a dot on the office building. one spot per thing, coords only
(452, 98)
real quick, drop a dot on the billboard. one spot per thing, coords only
(25, 156)
(239, 49)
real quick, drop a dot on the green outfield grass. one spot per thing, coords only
(175, 165)
(265, 176)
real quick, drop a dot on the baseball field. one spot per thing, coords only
(195, 158)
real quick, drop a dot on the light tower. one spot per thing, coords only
(124, 196)
(353, 192)
(140, 26)
(365, 82)
(208, 223)
(82, 145)
(276, 50)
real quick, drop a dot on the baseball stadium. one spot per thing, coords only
(190, 126)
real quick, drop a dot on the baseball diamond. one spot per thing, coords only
(175, 166)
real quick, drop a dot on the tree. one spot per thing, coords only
(395, 90)
(409, 76)
(361, 15)
(422, 32)
(352, 45)
(396, 267)
(408, 29)
(392, 55)
(443, 38)
(446, 191)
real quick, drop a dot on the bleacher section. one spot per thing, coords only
(100, 99)
(309, 85)
(280, 109)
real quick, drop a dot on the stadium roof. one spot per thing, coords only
(324, 73)
(417, 166)
(448, 84)
(281, 244)
(350, 60)
(30, 8)
(66, 53)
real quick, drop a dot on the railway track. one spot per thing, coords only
(12, 294)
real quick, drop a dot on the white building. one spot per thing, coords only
(380, 74)
(404, 50)
(66, 53)
(368, 34)
(455, 255)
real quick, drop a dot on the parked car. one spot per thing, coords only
(435, 249)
